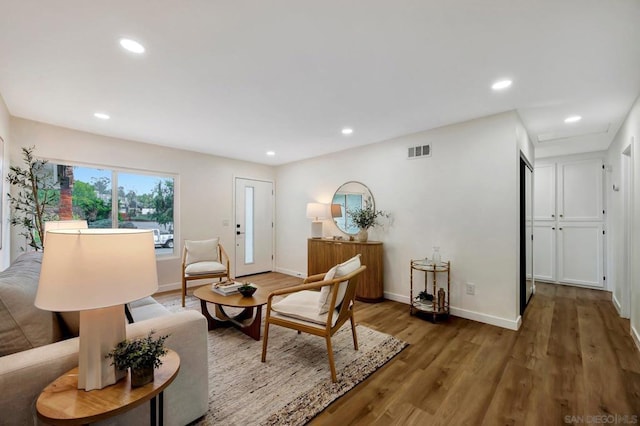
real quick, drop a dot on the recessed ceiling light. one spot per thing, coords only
(347, 131)
(271, 153)
(131, 45)
(101, 116)
(502, 84)
(572, 119)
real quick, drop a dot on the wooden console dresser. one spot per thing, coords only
(323, 254)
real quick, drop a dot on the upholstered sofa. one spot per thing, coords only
(36, 348)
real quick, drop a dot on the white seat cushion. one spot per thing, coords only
(344, 268)
(201, 251)
(303, 305)
(201, 268)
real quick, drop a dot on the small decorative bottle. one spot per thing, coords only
(441, 300)
(435, 257)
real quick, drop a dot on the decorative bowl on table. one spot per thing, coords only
(247, 290)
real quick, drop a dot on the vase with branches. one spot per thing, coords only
(364, 219)
(34, 197)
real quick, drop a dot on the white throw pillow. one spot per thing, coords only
(344, 268)
(201, 251)
(325, 292)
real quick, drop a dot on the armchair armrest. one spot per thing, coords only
(224, 255)
(311, 286)
(313, 278)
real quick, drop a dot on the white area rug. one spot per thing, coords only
(295, 383)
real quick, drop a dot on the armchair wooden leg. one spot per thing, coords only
(265, 337)
(331, 363)
(184, 290)
(353, 331)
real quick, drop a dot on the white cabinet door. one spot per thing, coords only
(544, 251)
(580, 257)
(544, 192)
(580, 190)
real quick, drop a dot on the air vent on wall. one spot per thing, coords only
(419, 151)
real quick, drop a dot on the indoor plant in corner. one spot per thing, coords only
(142, 355)
(364, 219)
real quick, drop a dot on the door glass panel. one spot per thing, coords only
(248, 220)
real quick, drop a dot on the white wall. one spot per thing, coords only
(464, 198)
(4, 166)
(204, 186)
(629, 133)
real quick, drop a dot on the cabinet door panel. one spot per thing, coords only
(580, 190)
(544, 252)
(544, 192)
(580, 258)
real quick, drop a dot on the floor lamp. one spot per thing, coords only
(97, 271)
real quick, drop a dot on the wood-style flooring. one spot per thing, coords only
(572, 362)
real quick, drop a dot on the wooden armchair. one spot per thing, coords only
(201, 260)
(300, 309)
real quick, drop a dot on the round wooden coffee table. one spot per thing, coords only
(245, 321)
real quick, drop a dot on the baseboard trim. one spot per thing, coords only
(636, 337)
(290, 272)
(616, 304)
(463, 313)
(169, 287)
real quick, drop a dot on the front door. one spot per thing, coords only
(253, 226)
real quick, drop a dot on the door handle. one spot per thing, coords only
(239, 233)
(553, 215)
(560, 229)
(553, 229)
(561, 216)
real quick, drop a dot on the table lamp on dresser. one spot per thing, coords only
(97, 271)
(316, 211)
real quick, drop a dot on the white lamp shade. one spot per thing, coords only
(316, 211)
(96, 268)
(62, 224)
(50, 225)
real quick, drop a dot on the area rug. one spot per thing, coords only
(294, 384)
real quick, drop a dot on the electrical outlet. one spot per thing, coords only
(471, 289)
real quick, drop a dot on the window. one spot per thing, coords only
(109, 198)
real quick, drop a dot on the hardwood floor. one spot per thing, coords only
(572, 359)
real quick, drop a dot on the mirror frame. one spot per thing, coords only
(365, 191)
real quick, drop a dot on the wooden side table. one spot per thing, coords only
(62, 403)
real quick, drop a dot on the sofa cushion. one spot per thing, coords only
(145, 308)
(22, 325)
(201, 251)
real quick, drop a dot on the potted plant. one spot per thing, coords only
(34, 198)
(364, 219)
(142, 355)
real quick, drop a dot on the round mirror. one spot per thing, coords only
(349, 196)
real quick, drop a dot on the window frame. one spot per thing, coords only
(114, 195)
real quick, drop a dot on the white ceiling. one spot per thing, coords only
(236, 78)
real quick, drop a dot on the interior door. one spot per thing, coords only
(544, 251)
(545, 192)
(254, 226)
(580, 191)
(580, 257)
(526, 234)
